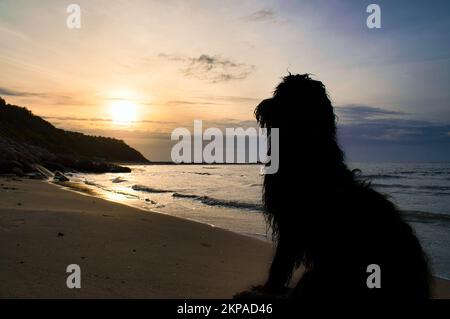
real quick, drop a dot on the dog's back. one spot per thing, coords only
(363, 228)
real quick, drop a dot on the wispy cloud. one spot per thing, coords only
(356, 113)
(263, 15)
(10, 92)
(187, 102)
(49, 98)
(97, 119)
(233, 99)
(212, 68)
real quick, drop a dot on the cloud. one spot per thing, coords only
(233, 99)
(172, 57)
(97, 119)
(369, 124)
(51, 98)
(370, 133)
(262, 15)
(72, 118)
(10, 92)
(212, 68)
(211, 100)
(395, 140)
(186, 102)
(359, 113)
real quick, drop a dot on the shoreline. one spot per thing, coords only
(80, 189)
(124, 251)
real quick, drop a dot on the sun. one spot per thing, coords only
(123, 112)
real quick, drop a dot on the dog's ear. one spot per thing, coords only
(265, 112)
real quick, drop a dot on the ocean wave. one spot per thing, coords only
(92, 183)
(118, 180)
(106, 189)
(407, 172)
(434, 173)
(210, 201)
(206, 200)
(442, 194)
(378, 185)
(423, 173)
(436, 188)
(142, 188)
(418, 187)
(126, 194)
(185, 195)
(384, 176)
(426, 217)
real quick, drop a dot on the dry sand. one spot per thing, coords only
(123, 252)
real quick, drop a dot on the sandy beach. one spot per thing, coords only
(123, 252)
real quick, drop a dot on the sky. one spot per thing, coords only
(137, 69)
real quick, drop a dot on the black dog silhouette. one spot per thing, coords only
(323, 216)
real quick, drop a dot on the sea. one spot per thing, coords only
(229, 197)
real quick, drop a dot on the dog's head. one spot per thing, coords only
(308, 150)
(299, 103)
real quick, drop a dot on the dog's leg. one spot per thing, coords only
(282, 267)
(279, 276)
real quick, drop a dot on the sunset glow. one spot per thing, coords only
(123, 112)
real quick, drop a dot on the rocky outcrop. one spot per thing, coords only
(27, 140)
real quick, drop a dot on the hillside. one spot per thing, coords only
(28, 139)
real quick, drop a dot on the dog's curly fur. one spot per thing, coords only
(322, 216)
